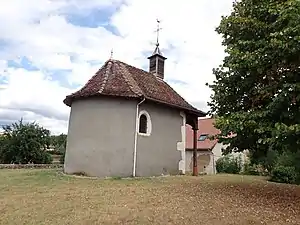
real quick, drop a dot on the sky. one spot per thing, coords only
(50, 48)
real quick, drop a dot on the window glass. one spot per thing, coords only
(202, 137)
(143, 124)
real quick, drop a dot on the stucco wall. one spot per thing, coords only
(208, 159)
(101, 137)
(205, 162)
(217, 150)
(157, 154)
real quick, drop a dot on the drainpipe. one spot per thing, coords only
(195, 166)
(135, 136)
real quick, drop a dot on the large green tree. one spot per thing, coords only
(256, 93)
(25, 143)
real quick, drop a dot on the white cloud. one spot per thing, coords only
(32, 93)
(40, 31)
(189, 27)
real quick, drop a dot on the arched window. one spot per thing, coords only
(143, 124)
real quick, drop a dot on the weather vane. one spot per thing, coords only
(157, 31)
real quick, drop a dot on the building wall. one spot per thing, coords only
(206, 126)
(158, 152)
(101, 137)
(205, 161)
(217, 150)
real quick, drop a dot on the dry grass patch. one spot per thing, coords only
(49, 197)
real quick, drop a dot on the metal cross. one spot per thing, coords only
(157, 31)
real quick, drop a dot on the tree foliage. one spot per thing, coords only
(59, 142)
(229, 164)
(25, 143)
(256, 94)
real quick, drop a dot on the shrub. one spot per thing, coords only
(286, 159)
(62, 151)
(220, 165)
(46, 158)
(62, 158)
(250, 170)
(284, 174)
(287, 168)
(229, 164)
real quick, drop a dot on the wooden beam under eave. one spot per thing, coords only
(192, 120)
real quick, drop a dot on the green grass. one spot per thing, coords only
(50, 197)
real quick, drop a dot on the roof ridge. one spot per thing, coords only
(161, 80)
(108, 68)
(129, 79)
(92, 78)
(137, 68)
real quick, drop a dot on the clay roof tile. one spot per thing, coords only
(206, 126)
(116, 78)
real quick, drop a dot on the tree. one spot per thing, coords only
(25, 143)
(2, 142)
(58, 142)
(256, 93)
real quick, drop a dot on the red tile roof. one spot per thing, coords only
(206, 126)
(116, 78)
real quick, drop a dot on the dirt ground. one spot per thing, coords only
(50, 197)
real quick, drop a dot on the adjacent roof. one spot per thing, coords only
(206, 126)
(118, 79)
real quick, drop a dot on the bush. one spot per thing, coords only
(286, 159)
(250, 170)
(284, 174)
(229, 164)
(287, 168)
(62, 158)
(46, 158)
(62, 151)
(41, 157)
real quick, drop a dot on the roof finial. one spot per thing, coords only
(157, 32)
(111, 53)
(157, 51)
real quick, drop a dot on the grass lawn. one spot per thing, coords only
(49, 197)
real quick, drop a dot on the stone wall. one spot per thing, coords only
(31, 166)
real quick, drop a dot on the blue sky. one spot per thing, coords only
(49, 49)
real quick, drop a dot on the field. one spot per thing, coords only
(50, 197)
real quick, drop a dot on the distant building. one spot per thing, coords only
(208, 151)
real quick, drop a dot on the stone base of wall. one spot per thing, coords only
(31, 166)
